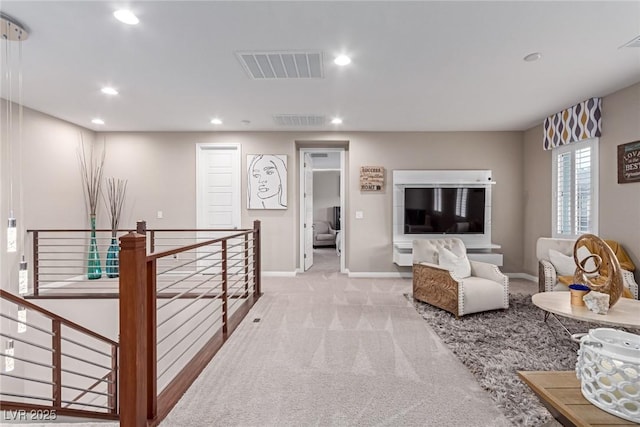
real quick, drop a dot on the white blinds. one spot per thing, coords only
(575, 181)
(583, 190)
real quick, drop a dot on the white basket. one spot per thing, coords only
(608, 368)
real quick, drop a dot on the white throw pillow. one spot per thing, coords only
(459, 265)
(565, 265)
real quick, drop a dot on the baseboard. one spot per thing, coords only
(522, 276)
(380, 274)
(279, 273)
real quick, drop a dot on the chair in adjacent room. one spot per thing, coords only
(444, 276)
(323, 234)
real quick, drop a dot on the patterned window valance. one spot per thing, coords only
(582, 121)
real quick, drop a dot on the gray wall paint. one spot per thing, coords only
(371, 237)
(619, 204)
(160, 168)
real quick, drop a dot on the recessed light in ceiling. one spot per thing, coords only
(336, 121)
(533, 57)
(216, 121)
(342, 60)
(126, 16)
(97, 121)
(109, 90)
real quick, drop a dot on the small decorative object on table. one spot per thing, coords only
(608, 368)
(597, 302)
(116, 191)
(578, 291)
(606, 277)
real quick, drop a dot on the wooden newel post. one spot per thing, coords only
(257, 269)
(133, 330)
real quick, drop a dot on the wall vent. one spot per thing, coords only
(282, 64)
(316, 155)
(299, 120)
(635, 42)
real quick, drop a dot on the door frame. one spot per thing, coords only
(343, 218)
(237, 164)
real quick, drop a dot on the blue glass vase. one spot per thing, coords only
(112, 258)
(94, 271)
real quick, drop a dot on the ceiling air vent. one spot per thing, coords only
(299, 120)
(635, 42)
(282, 65)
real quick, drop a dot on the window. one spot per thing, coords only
(575, 189)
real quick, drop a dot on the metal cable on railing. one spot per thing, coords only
(190, 274)
(56, 357)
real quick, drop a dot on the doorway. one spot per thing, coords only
(217, 194)
(322, 195)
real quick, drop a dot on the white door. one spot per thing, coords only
(308, 211)
(218, 190)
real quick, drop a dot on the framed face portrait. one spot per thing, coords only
(267, 181)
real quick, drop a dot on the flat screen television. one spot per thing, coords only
(444, 210)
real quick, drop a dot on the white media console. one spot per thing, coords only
(478, 244)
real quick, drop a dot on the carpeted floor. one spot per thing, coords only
(495, 345)
(334, 351)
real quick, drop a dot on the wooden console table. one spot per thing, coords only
(560, 393)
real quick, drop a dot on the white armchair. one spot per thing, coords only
(323, 234)
(443, 276)
(549, 278)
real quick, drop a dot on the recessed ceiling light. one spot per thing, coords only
(109, 90)
(336, 121)
(216, 121)
(342, 60)
(533, 57)
(97, 121)
(126, 16)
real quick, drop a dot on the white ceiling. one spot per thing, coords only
(417, 66)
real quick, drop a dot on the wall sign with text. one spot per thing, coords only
(629, 162)
(371, 178)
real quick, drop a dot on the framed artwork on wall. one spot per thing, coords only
(267, 181)
(629, 162)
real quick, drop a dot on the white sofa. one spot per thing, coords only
(547, 275)
(456, 288)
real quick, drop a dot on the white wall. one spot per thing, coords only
(160, 168)
(619, 209)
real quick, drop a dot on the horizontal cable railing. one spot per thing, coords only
(61, 267)
(54, 364)
(185, 299)
(182, 292)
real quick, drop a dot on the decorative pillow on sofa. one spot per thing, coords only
(459, 265)
(564, 264)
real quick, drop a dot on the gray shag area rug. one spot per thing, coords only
(494, 345)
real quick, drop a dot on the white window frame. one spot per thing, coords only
(594, 177)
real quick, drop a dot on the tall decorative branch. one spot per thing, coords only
(91, 168)
(116, 192)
